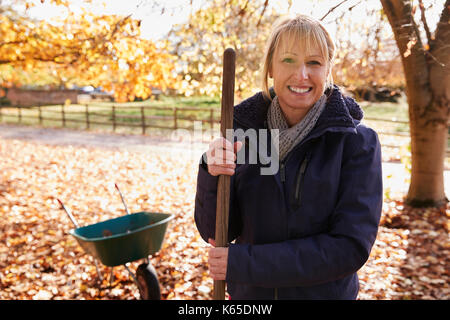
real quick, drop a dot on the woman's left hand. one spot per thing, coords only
(217, 260)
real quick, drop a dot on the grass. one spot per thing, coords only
(387, 110)
(129, 114)
(165, 101)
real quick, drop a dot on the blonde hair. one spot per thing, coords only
(309, 32)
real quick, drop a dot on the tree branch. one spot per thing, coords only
(12, 43)
(266, 3)
(118, 25)
(332, 9)
(442, 34)
(242, 10)
(415, 64)
(52, 59)
(424, 21)
(399, 14)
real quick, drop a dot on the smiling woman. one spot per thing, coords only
(298, 78)
(304, 231)
(299, 59)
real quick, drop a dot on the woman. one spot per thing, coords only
(303, 232)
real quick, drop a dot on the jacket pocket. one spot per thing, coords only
(297, 197)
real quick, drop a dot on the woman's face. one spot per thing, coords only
(299, 78)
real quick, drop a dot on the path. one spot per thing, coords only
(395, 177)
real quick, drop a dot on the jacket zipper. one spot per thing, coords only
(299, 184)
(282, 172)
(283, 163)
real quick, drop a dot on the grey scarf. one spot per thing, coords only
(290, 137)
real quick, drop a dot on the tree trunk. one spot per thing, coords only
(428, 92)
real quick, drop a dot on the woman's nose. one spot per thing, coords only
(302, 72)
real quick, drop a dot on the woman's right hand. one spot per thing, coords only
(221, 156)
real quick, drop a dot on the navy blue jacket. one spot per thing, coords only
(304, 232)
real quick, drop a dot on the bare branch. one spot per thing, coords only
(242, 11)
(424, 21)
(350, 8)
(266, 3)
(416, 30)
(118, 25)
(332, 9)
(435, 59)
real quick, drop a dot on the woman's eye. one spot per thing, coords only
(314, 62)
(288, 60)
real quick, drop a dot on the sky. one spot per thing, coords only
(155, 24)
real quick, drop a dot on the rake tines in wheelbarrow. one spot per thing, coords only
(126, 239)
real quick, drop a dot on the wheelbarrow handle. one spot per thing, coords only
(75, 223)
(121, 197)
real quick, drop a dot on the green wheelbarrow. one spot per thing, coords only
(126, 239)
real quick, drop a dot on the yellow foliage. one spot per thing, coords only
(100, 50)
(106, 50)
(200, 44)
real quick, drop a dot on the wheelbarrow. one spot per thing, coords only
(126, 239)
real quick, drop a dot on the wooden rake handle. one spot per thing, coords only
(223, 187)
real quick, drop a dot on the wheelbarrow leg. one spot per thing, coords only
(98, 271)
(132, 275)
(111, 277)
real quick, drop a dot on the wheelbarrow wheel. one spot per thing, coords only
(148, 282)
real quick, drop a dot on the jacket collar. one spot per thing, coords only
(340, 111)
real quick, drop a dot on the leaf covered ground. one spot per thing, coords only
(40, 260)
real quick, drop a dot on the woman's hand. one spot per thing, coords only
(221, 156)
(217, 260)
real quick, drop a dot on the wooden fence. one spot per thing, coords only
(115, 116)
(172, 118)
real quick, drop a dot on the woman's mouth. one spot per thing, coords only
(299, 89)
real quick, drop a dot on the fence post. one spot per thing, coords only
(114, 118)
(40, 114)
(63, 115)
(87, 116)
(19, 110)
(175, 124)
(143, 120)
